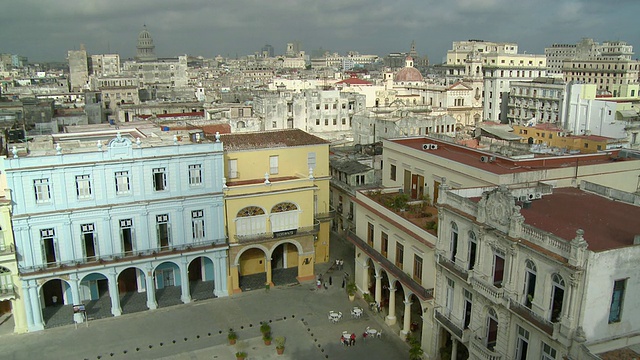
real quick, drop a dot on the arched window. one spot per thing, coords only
(240, 124)
(454, 241)
(251, 220)
(492, 329)
(557, 297)
(284, 217)
(529, 283)
(473, 250)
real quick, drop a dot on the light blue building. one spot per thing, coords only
(120, 220)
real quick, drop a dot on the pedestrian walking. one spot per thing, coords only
(343, 281)
(352, 340)
(330, 283)
(319, 284)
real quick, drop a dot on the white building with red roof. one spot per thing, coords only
(556, 276)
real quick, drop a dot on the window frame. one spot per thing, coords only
(195, 174)
(42, 190)
(85, 191)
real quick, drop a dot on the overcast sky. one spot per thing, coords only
(45, 30)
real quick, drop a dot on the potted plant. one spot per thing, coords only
(351, 290)
(267, 338)
(265, 327)
(280, 344)
(415, 350)
(240, 355)
(232, 336)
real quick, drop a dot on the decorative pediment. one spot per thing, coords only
(497, 207)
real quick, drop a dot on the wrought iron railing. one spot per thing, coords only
(530, 316)
(127, 255)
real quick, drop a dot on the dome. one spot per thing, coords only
(408, 74)
(144, 34)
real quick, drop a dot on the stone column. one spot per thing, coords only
(38, 323)
(114, 294)
(454, 348)
(267, 267)
(407, 318)
(27, 304)
(378, 289)
(391, 318)
(184, 279)
(220, 273)
(75, 296)
(151, 289)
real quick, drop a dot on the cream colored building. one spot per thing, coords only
(420, 169)
(536, 279)
(276, 204)
(11, 299)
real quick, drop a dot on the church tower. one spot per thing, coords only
(145, 48)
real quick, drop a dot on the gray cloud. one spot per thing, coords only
(46, 30)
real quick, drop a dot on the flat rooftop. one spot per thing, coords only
(269, 139)
(607, 224)
(502, 164)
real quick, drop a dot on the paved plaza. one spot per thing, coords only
(198, 330)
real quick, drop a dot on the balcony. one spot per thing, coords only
(489, 291)
(450, 323)
(301, 231)
(327, 214)
(453, 267)
(530, 316)
(7, 292)
(480, 351)
(405, 279)
(125, 256)
(7, 249)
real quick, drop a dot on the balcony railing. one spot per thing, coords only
(7, 290)
(449, 322)
(453, 267)
(480, 351)
(128, 256)
(489, 291)
(7, 249)
(250, 238)
(405, 279)
(326, 215)
(529, 315)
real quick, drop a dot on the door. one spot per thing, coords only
(414, 186)
(407, 182)
(167, 277)
(492, 332)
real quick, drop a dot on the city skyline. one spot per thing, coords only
(369, 27)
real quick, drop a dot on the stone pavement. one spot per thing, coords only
(199, 330)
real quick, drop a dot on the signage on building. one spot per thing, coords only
(279, 234)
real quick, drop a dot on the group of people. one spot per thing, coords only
(339, 264)
(348, 340)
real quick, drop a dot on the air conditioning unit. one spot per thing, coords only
(434, 146)
(538, 195)
(531, 196)
(426, 146)
(522, 198)
(484, 159)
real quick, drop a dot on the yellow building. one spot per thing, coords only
(555, 137)
(11, 303)
(276, 204)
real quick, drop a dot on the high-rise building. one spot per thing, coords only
(78, 69)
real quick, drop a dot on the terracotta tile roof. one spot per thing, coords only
(270, 139)
(212, 129)
(504, 165)
(607, 224)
